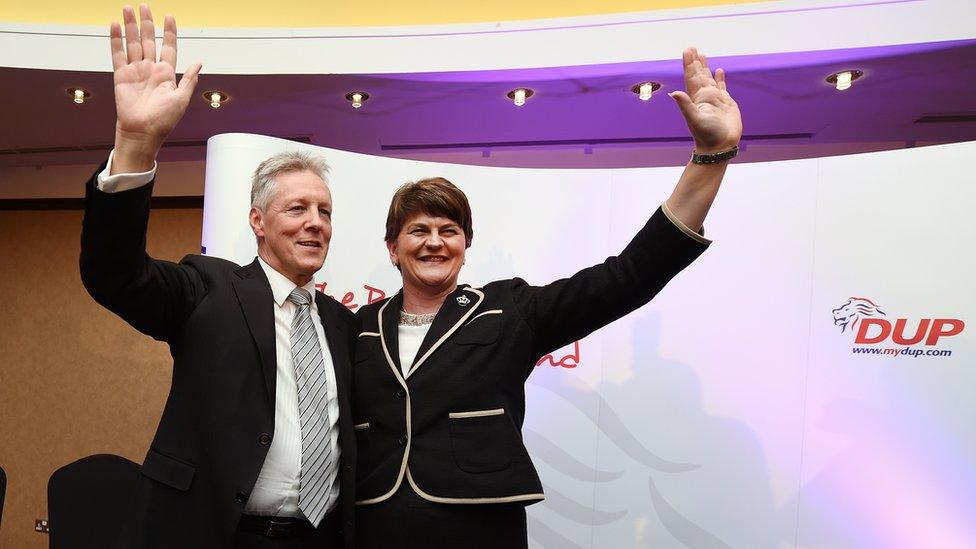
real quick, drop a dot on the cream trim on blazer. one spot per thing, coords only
(471, 501)
(491, 312)
(449, 333)
(406, 451)
(681, 226)
(476, 413)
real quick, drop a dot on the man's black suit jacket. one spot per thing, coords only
(217, 426)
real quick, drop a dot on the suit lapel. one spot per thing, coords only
(455, 310)
(335, 334)
(254, 294)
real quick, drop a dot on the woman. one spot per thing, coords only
(439, 371)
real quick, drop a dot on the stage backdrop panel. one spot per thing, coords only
(890, 446)
(734, 410)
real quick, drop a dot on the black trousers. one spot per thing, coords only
(407, 521)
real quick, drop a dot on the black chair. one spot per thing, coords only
(3, 491)
(85, 500)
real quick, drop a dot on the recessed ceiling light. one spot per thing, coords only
(357, 98)
(78, 95)
(645, 90)
(216, 98)
(519, 95)
(842, 80)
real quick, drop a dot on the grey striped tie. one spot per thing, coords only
(319, 465)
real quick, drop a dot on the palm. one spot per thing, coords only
(147, 99)
(710, 112)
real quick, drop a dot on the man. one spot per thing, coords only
(256, 446)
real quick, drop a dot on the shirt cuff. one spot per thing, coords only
(698, 237)
(122, 181)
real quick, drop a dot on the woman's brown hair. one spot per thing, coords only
(434, 196)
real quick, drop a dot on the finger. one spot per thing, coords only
(706, 73)
(168, 53)
(720, 79)
(689, 59)
(701, 75)
(148, 33)
(685, 104)
(132, 47)
(115, 39)
(189, 80)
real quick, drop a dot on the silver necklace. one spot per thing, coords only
(410, 319)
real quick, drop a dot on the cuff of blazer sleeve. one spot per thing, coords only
(696, 236)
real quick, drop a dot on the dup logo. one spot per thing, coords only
(871, 325)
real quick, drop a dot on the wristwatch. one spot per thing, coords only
(714, 158)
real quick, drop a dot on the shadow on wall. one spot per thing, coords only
(667, 473)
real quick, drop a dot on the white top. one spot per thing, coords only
(276, 490)
(409, 340)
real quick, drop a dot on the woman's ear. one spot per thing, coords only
(391, 247)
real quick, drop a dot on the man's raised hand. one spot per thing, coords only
(148, 101)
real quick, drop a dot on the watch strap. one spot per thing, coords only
(714, 158)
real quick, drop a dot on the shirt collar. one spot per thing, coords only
(281, 287)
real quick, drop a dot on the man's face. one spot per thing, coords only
(295, 228)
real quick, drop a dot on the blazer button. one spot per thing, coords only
(401, 393)
(264, 439)
(403, 441)
(241, 497)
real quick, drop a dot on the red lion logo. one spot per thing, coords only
(851, 312)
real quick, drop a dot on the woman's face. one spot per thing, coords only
(429, 251)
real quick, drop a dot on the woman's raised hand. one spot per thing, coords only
(710, 112)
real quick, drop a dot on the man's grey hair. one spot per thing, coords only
(263, 183)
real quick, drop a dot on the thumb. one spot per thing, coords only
(685, 103)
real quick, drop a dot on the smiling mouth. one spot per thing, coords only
(310, 244)
(433, 259)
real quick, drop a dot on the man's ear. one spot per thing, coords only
(256, 219)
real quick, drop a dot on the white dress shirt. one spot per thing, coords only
(276, 491)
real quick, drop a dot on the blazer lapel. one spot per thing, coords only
(254, 294)
(389, 322)
(455, 310)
